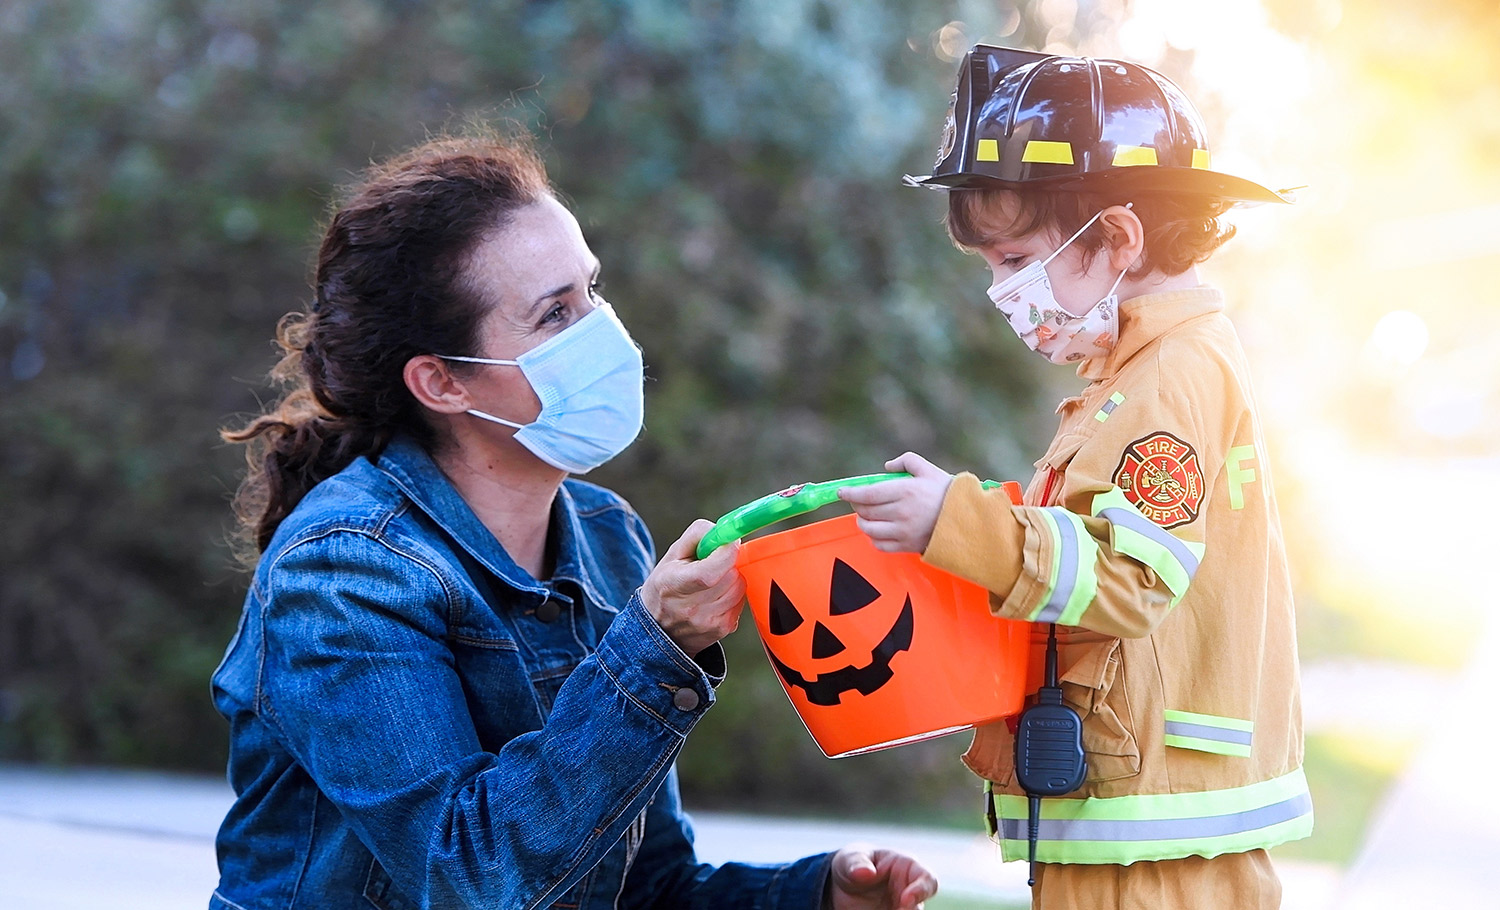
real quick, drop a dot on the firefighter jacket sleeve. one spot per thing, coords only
(1114, 536)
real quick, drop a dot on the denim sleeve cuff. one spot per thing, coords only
(802, 884)
(655, 673)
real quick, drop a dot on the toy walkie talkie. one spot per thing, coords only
(1049, 748)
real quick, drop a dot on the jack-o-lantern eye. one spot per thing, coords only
(849, 590)
(784, 616)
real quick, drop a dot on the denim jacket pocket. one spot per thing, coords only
(1094, 686)
(381, 892)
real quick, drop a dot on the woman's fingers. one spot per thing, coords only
(685, 546)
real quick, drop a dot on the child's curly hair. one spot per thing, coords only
(1181, 231)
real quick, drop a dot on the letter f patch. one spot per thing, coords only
(1239, 474)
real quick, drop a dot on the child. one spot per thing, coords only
(1150, 534)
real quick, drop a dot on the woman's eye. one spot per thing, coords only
(1013, 262)
(557, 312)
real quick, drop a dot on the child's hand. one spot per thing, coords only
(899, 515)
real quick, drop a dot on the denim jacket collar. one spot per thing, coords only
(413, 470)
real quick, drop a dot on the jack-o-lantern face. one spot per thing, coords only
(849, 592)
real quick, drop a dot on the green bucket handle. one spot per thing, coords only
(798, 499)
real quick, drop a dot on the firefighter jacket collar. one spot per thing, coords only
(1148, 317)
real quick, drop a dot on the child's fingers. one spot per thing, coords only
(887, 536)
(913, 464)
(885, 511)
(873, 494)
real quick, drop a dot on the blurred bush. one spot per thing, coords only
(164, 165)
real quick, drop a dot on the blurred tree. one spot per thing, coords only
(163, 168)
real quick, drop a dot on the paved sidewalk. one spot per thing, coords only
(134, 840)
(1436, 841)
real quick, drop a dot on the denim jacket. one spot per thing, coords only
(415, 721)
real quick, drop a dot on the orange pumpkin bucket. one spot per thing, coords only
(874, 649)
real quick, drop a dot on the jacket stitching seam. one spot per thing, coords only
(490, 644)
(312, 835)
(596, 833)
(220, 895)
(263, 706)
(642, 705)
(673, 651)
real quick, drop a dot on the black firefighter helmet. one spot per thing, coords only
(1020, 118)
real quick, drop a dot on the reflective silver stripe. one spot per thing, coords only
(1203, 731)
(1153, 829)
(1149, 529)
(1067, 570)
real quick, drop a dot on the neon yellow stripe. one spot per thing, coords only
(1134, 155)
(1115, 401)
(1201, 159)
(1210, 720)
(988, 150)
(1145, 549)
(1041, 603)
(1086, 583)
(1207, 745)
(1140, 826)
(1125, 852)
(1043, 152)
(1163, 805)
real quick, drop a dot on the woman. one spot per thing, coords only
(457, 680)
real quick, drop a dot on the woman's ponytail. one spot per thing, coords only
(389, 285)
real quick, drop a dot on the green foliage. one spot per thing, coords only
(164, 165)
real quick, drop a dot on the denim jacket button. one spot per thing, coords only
(549, 611)
(685, 699)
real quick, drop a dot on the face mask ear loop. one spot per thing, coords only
(1066, 243)
(1117, 283)
(1079, 233)
(1128, 205)
(492, 362)
(498, 363)
(493, 419)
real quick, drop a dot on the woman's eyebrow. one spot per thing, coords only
(562, 291)
(551, 295)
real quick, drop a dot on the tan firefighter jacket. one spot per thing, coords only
(1150, 535)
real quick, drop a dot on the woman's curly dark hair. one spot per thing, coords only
(390, 284)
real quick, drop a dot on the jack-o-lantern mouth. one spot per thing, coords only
(827, 688)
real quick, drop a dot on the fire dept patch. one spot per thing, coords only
(1160, 475)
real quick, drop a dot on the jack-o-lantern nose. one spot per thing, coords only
(825, 643)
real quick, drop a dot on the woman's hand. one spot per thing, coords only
(696, 602)
(869, 878)
(898, 515)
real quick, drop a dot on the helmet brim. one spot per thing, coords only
(1179, 181)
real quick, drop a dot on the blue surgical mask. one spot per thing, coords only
(588, 378)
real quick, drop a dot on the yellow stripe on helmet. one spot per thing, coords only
(1134, 156)
(1042, 151)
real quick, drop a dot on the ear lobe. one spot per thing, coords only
(434, 387)
(1126, 236)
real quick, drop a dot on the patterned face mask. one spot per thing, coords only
(1035, 316)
